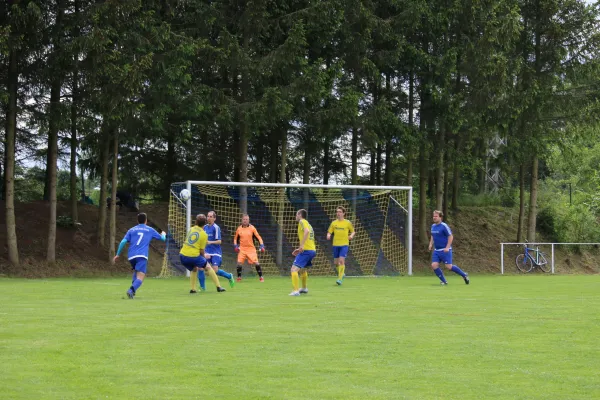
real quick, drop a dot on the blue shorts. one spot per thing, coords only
(440, 256)
(215, 260)
(340, 251)
(304, 259)
(140, 264)
(191, 262)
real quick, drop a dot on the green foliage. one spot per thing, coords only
(29, 184)
(508, 197)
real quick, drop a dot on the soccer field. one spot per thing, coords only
(513, 337)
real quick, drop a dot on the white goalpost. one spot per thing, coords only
(381, 215)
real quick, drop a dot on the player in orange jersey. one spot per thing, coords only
(244, 246)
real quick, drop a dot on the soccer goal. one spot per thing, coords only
(381, 215)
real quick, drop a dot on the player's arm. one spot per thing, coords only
(235, 240)
(330, 231)
(430, 242)
(260, 240)
(351, 230)
(450, 239)
(162, 236)
(121, 247)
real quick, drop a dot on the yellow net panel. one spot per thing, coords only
(379, 218)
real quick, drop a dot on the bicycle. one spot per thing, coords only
(526, 261)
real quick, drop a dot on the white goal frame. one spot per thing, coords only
(311, 186)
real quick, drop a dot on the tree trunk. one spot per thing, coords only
(82, 185)
(354, 156)
(9, 169)
(73, 166)
(481, 173)
(372, 167)
(53, 127)
(532, 201)
(171, 170)
(244, 138)
(411, 106)
(455, 176)
(306, 172)
(445, 194)
(260, 155)
(103, 182)
(440, 168)
(387, 179)
(521, 203)
(326, 162)
(113, 202)
(274, 156)
(282, 202)
(379, 164)
(423, 172)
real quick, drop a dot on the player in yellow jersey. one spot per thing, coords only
(343, 232)
(304, 253)
(192, 251)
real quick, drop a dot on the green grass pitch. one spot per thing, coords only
(502, 337)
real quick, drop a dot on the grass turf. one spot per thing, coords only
(517, 337)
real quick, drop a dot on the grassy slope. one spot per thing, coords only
(515, 337)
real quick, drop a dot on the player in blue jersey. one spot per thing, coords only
(139, 238)
(212, 253)
(441, 244)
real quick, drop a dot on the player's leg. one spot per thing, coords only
(343, 252)
(253, 260)
(310, 254)
(336, 261)
(140, 266)
(435, 266)
(216, 262)
(341, 270)
(212, 275)
(295, 280)
(202, 279)
(240, 261)
(454, 268)
(193, 280)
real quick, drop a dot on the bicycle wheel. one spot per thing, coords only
(544, 266)
(523, 263)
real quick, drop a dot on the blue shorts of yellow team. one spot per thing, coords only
(340, 251)
(140, 264)
(192, 262)
(215, 260)
(304, 259)
(440, 256)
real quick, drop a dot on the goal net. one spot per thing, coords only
(381, 217)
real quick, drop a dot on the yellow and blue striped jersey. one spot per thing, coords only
(341, 230)
(310, 242)
(195, 241)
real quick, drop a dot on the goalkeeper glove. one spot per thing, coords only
(237, 248)
(262, 248)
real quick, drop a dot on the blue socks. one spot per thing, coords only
(133, 277)
(458, 271)
(136, 285)
(440, 274)
(224, 274)
(202, 279)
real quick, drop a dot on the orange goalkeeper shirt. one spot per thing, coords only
(245, 235)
